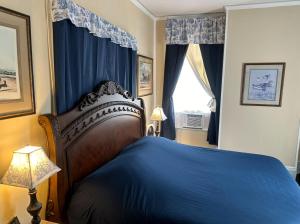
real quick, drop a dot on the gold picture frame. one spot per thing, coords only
(16, 76)
(144, 75)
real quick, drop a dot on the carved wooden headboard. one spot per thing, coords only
(88, 136)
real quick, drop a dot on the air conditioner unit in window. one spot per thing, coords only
(192, 121)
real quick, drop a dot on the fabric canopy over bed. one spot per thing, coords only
(87, 50)
(81, 17)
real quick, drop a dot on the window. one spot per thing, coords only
(189, 95)
(190, 99)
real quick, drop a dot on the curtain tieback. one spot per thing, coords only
(212, 104)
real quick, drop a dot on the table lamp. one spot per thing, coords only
(158, 116)
(28, 168)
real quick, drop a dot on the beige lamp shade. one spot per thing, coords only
(158, 114)
(29, 167)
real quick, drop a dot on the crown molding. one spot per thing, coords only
(143, 9)
(261, 5)
(227, 7)
(190, 15)
(158, 18)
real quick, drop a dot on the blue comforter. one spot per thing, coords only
(156, 180)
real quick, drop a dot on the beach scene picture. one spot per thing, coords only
(9, 74)
(263, 84)
(145, 75)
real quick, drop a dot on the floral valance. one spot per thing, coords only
(196, 30)
(81, 17)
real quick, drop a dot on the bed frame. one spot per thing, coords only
(88, 136)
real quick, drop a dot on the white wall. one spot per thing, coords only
(262, 35)
(18, 132)
(160, 59)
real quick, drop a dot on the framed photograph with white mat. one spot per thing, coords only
(16, 76)
(144, 75)
(262, 84)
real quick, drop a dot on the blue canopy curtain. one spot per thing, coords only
(206, 30)
(88, 50)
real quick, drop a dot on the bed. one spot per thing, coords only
(112, 173)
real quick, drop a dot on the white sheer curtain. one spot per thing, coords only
(195, 60)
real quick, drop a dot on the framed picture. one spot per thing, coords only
(262, 84)
(16, 78)
(144, 75)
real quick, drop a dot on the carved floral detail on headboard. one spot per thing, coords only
(94, 116)
(108, 88)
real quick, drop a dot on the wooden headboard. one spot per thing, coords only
(88, 136)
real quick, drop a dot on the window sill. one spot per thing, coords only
(192, 129)
(193, 113)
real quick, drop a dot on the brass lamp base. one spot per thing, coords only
(34, 207)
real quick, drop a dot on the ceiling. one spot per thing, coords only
(160, 8)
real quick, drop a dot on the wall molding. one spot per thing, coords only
(154, 67)
(159, 18)
(190, 15)
(297, 163)
(227, 8)
(261, 5)
(223, 81)
(143, 9)
(48, 11)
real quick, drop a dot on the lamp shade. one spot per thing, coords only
(29, 167)
(158, 114)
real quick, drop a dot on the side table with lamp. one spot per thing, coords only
(158, 116)
(29, 167)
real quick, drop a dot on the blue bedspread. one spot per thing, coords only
(156, 180)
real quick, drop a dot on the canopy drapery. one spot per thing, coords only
(88, 50)
(205, 29)
(81, 17)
